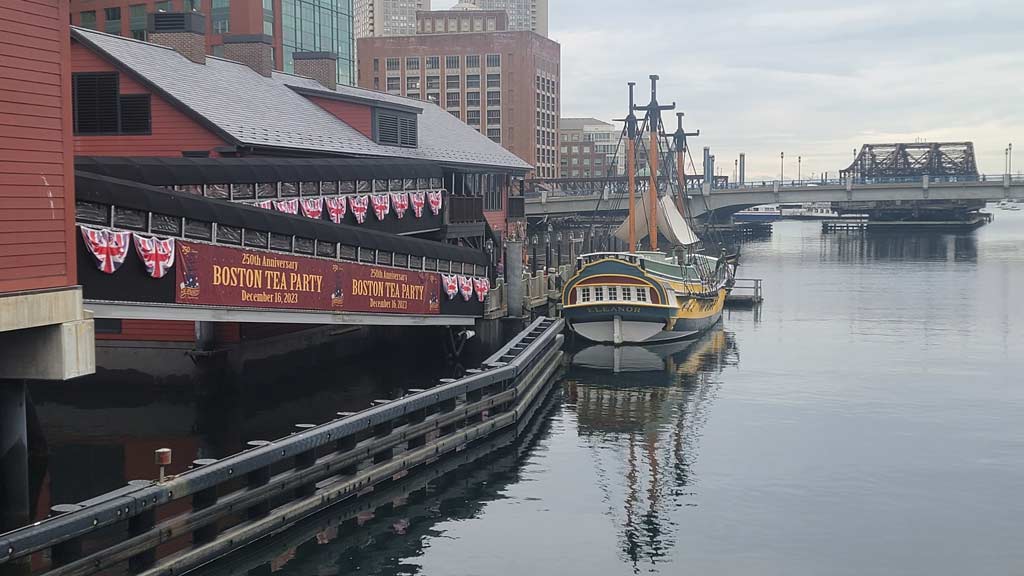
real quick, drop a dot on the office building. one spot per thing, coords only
(387, 17)
(529, 15)
(287, 26)
(589, 148)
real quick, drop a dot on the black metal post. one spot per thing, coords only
(14, 499)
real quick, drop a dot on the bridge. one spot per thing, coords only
(607, 196)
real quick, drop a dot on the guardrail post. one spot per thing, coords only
(204, 499)
(305, 460)
(139, 524)
(68, 550)
(258, 478)
(382, 430)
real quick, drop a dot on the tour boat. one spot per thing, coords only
(767, 213)
(648, 296)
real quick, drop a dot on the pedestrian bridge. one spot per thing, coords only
(563, 198)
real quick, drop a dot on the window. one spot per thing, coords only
(414, 95)
(598, 293)
(451, 62)
(394, 84)
(452, 82)
(412, 83)
(112, 23)
(88, 19)
(473, 61)
(494, 134)
(493, 98)
(433, 82)
(268, 14)
(137, 21)
(452, 100)
(494, 80)
(395, 128)
(565, 149)
(584, 294)
(376, 64)
(434, 97)
(493, 60)
(613, 293)
(627, 294)
(220, 16)
(164, 6)
(456, 113)
(494, 116)
(473, 117)
(641, 294)
(473, 99)
(99, 109)
(433, 62)
(412, 63)
(472, 80)
(394, 64)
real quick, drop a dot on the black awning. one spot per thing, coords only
(112, 191)
(181, 171)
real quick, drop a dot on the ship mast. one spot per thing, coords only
(631, 168)
(654, 125)
(679, 140)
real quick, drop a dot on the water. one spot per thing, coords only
(869, 419)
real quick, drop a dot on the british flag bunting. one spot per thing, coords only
(435, 201)
(336, 208)
(156, 254)
(451, 285)
(466, 287)
(400, 202)
(108, 247)
(418, 199)
(287, 206)
(481, 286)
(381, 205)
(358, 204)
(312, 207)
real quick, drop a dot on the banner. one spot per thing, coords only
(224, 276)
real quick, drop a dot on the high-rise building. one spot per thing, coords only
(522, 14)
(590, 148)
(503, 83)
(289, 26)
(387, 17)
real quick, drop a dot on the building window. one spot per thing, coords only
(99, 109)
(268, 15)
(88, 19)
(164, 6)
(473, 61)
(455, 113)
(395, 128)
(394, 84)
(452, 82)
(137, 21)
(220, 16)
(376, 64)
(472, 117)
(412, 83)
(413, 95)
(451, 62)
(412, 63)
(452, 100)
(433, 82)
(641, 294)
(473, 99)
(112, 20)
(434, 97)
(493, 60)
(394, 64)
(494, 116)
(494, 98)
(494, 80)
(433, 62)
(494, 134)
(584, 294)
(472, 80)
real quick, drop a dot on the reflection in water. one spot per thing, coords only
(640, 409)
(922, 246)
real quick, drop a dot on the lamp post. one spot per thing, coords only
(782, 166)
(799, 168)
(534, 259)
(547, 250)
(1009, 158)
(558, 238)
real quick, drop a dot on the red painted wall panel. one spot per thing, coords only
(172, 130)
(154, 331)
(36, 180)
(357, 116)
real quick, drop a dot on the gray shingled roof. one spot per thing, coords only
(260, 111)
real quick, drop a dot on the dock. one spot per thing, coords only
(971, 222)
(745, 293)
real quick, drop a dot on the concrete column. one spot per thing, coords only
(514, 277)
(14, 501)
(743, 168)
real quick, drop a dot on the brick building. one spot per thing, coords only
(505, 84)
(286, 26)
(589, 148)
(386, 17)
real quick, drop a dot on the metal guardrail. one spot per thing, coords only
(302, 473)
(746, 291)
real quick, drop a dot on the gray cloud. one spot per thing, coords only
(814, 78)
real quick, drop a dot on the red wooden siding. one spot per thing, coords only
(154, 331)
(172, 130)
(36, 180)
(357, 116)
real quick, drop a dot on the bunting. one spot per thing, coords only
(336, 208)
(266, 205)
(108, 247)
(381, 206)
(466, 287)
(435, 201)
(156, 254)
(451, 285)
(287, 206)
(418, 200)
(400, 202)
(312, 207)
(358, 204)
(482, 286)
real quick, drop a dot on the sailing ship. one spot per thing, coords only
(649, 296)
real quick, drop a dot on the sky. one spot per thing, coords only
(810, 78)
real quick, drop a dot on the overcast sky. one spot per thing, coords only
(814, 78)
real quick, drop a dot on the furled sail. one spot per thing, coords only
(671, 223)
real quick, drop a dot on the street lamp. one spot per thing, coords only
(799, 168)
(782, 166)
(1009, 158)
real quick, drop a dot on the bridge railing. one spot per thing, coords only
(223, 504)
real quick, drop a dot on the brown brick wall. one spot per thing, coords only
(255, 55)
(189, 44)
(324, 71)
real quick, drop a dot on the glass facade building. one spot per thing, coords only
(319, 26)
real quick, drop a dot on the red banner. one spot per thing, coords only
(224, 276)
